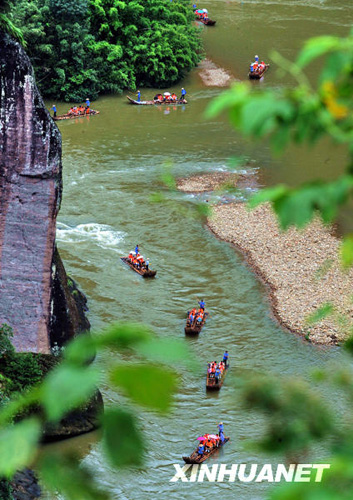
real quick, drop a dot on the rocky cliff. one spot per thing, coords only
(35, 299)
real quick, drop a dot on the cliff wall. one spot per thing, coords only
(35, 299)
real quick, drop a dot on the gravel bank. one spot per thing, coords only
(301, 269)
(210, 181)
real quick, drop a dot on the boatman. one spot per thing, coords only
(137, 250)
(88, 103)
(138, 96)
(200, 449)
(225, 358)
(183, 94)
(220, 428)
(202, 304)
(54, 109)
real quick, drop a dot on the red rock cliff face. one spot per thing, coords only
(30, 193)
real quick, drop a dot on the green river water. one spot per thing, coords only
(112, 162)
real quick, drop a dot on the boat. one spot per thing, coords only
(70, 116)
(258, 73)
(141, 271)
(211, 384)
(195, 458)
(195, 328)
(207, 22)
(156, 103)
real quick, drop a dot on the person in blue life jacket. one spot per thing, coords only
(88, 103)
(136, 249)
(217, 374)
(54, 110)
(138, 96)
(201, 449)
(220, 428)
(202, 304)
(183, 94)
(225, 358)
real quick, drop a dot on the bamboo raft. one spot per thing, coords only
(195, 458)
(141, 271)
(195, 328)
(211, 384)
(156, 103)
(70, 116)
(207, 22)
(257, 74)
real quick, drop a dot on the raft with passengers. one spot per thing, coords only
(202, 16)
(209, 444)
(160, 99)
(196, 319)
(216, 373)
(257, 69)
(139, 264)
(83, 110)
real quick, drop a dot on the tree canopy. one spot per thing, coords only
(86, 47)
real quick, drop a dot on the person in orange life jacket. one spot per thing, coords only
(174, 96)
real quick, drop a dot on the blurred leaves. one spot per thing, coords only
(320, 313)
(122, 440)
(66, 388)
(347, 251)
(64, 474)
(18, 446)
(149, 386)
(292, 408)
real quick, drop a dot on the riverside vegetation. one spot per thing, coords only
(86, 47)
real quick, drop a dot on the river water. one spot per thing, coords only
(112, 163)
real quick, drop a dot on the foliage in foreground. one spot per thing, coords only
(80, 48)
(146, 382)
(303, 114)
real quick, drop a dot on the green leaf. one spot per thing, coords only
(67, 387)
(122, 440)
(320, 313)
(18, 446)
(65, 475)
(167, 351)
(268, 194)
(227, 100)
(346, 251)
(147, 385)
(316, 47)
(122, 336)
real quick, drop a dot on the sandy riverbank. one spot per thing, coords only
(301, 268)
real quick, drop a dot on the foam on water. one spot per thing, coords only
(101, 234)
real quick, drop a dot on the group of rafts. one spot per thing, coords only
(216, 372)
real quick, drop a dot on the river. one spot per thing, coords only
(112, 163)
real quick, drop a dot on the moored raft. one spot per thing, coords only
(195, 458)
(71, 115)
(195, 327)
(258, 73)
(141, 271)
(212, 384)
(156, 103)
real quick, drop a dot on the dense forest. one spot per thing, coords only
(81, 48)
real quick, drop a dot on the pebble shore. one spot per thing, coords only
(301, 268)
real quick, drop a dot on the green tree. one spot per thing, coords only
(85, 47)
